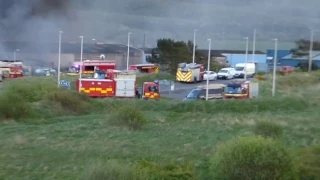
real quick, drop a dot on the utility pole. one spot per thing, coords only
(207, 89)
(254, 44)
(274, 67)
(310, 51)
(194, 45)
(245, 66)
(144, 40)
(128, 51)
(59, 60)
(81, 64)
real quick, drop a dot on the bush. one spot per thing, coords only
(267, 129)
(261, 77)
(112, 171)
(253, 158)
(129, 115)
(70, 101)
(13, 107)
(168, 171)
(309, 162)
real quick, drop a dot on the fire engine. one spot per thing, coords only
(190, 72)
(114, 83)
(241, 90)
(89, 66)
(11, 69)
(145, 68)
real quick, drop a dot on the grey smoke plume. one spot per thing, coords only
(110, 20)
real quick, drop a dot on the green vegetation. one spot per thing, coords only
(253, 158)
(51, 133)
(268, 129)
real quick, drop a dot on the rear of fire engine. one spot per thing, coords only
(242, 90)
(113, 83)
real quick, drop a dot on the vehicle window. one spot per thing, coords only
(223, 71)
(153, 89)
(233, 90)
(215, 91)
(194, 94)
(239, 68)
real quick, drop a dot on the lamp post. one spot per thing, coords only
(14, 55)
(245, 66)
(194, 45)
(129, 33)
(81, 64)
(207, 89)
(254, 44)
(274, 67)
(59, 60)
(310, 51)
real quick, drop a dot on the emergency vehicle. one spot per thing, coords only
(11, 69)
(89, 66)
(119, 84)
(145, 68)
(241, 90)
(190, 72)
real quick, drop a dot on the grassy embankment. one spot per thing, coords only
(48, 133)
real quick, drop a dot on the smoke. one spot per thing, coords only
(110, 20)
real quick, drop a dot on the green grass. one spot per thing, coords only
(64, 146)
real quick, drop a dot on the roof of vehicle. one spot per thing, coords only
(139, 65)
(212, 86)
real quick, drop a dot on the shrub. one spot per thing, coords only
(71, 101)
(309, 162)
(268, 129)
(170, 171)
(13, 107)
(253, 158)
(261, 77)
(129, 115)
(112, 170)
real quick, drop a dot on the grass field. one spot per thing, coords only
(68, 143)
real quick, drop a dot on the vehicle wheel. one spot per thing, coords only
(194, 80)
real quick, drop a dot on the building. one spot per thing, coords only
(233, 57)
(293, 60)
(280, 55)
(287, 58)
(47, 54)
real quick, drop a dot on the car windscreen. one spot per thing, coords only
(239, 68)
(233, 90)
(194, 94)
(223, 71)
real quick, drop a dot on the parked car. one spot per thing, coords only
(286, 69)
(211, 75)
(226, 73)
(243, 68)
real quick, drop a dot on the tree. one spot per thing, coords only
(303, 46)
(170, 53)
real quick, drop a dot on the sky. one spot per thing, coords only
(109, 20)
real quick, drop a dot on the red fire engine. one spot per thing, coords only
(113, 83)
(241, 90)
(11, 69)
(145, 68)
(89, 66)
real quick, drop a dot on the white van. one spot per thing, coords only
(226, 73)
(240, 70)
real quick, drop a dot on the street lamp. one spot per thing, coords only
(310, 51)
(81, 64)
(274, 67)
(59, 60)
(207, 90)
(14, 55)
(129, 33)
(194, 45)
(254, 44)
(245, 66)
